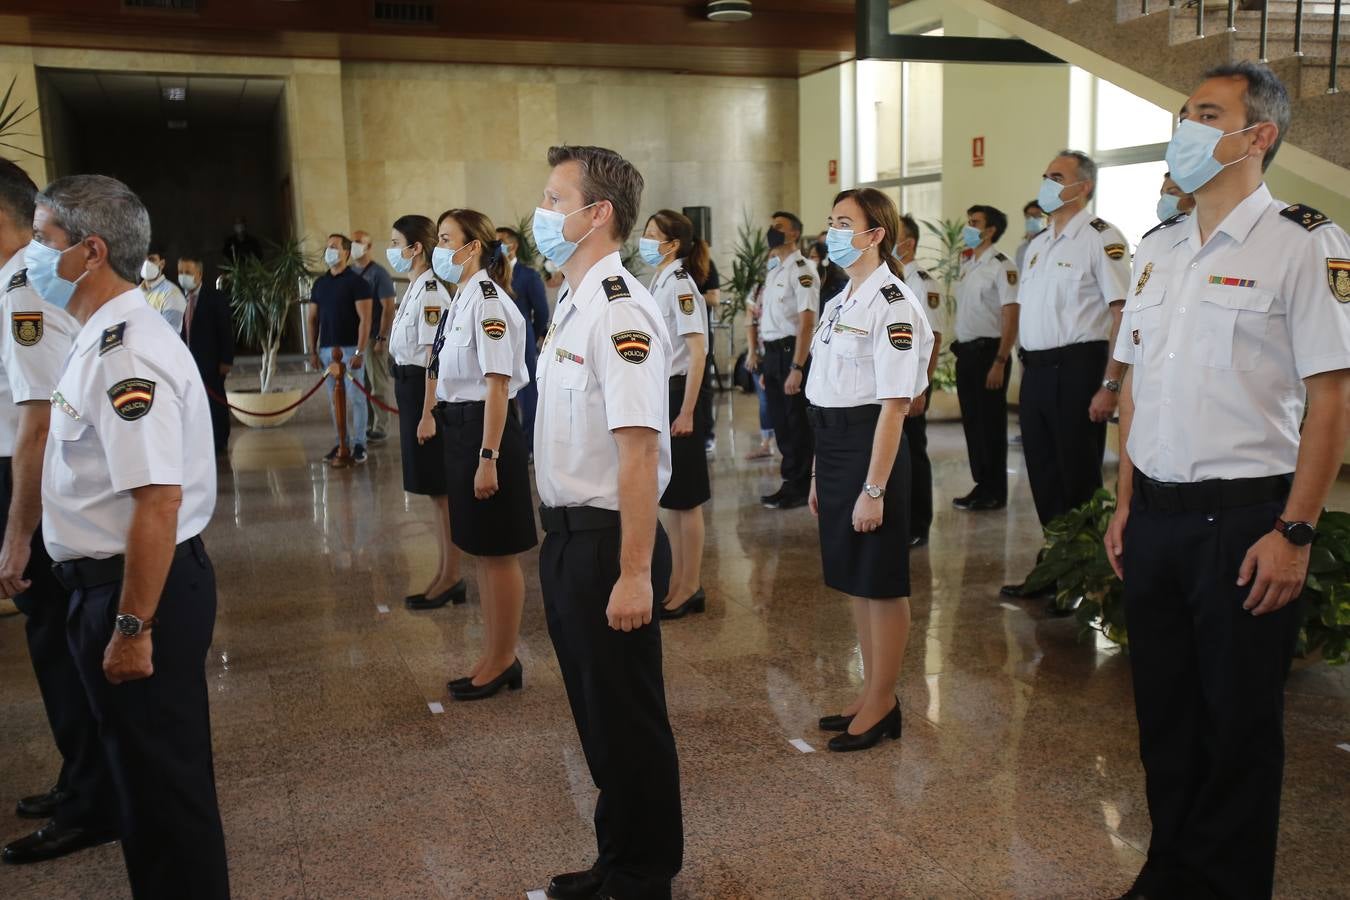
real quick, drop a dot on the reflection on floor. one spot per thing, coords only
(1017, 775)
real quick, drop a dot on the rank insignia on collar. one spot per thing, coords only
(112, 338)
(1115, 251)
(432, 315)
(132, 398)
(617, 289)
(19, 280)
(494, 328)
(1134, 336)
(891, 293)
(27, 328)
(934, 299)
(1306, 216)
(687, 304)
(805, 280)
(489, 290)
(1227, 281)
(633, 346)
(1143, 280)
(901, 335)
(1338, 276)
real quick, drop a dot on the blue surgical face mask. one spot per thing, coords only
(42, 261)
(1035, 225)
(839, 241)
(972, 236)
(650, 251)
(1167, 206)
(773, 263)
(331, 257)
(397, 261)
(548, 234)
(444, 265)
(1048, 196)
(1190, 154)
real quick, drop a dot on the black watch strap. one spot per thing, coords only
(1300, 534)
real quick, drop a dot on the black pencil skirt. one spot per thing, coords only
(689, 485)
(503, 524)
(874, 565)
(423, 464)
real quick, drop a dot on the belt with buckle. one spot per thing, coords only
(1056, 355)
(86, 573)
(1211, 495)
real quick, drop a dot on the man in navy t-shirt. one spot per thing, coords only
(339, 316)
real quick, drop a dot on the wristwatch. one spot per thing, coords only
(485, 453)
(875, 491)
(132, 626)
(1111, 385)
(1300, 534)
(798, 368)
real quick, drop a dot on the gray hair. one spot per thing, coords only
(605, 175)
(85, 205)
(1266, 99)
(1087, 169)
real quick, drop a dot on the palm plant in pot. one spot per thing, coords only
(945, 266)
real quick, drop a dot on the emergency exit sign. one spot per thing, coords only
(977, 151)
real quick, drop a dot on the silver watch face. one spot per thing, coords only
(128, 625)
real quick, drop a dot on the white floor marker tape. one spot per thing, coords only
(1011, 606)
(381, 608)
(1345, 747)
(802, 745)
(436, 708)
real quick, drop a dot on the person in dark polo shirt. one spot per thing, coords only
(340, 317)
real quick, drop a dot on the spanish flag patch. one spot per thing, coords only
(633, 346)
(494, 328)
(132, 398)
(27, 327)
(901, 335)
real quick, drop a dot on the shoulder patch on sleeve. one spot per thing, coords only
(891, 293)
(1115, 251)
(1012, 277)
(1000, 257)
(132, 397)
(633, 346)
(1338, 276)
(1100, 224)
(1166, 223)
(19, 280)
(489, 290)
(431, 285)
(934, 299)
(805, 280)
(901, 335)
(27, 328)
(686, 304)
(494, 328)
(1306, 216)
(112, 338)
(617, 289)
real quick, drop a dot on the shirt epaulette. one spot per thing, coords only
(19, 280)
(1000, 257)
(431, 285)
(1305, 216)
(800, 261)
(489, 290)
(1166, 223)
(616, 288)
(891, 293)
(925, 276)
(112, 338)
(1100, 224)
(681, 273)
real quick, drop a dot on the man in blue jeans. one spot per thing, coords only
(339, 316)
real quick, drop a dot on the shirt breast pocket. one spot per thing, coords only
(572, 413)
(856, 375)
(74, 455)
(459, 352)
(1145, 322)
(1067, 285)
(1231, 327)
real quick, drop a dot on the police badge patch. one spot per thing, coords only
(132, 398)
(494, 328)
(1338, 276)
(1012, 277)
(805, 281)
(901, 335)
(432, 315)
(687, 304)
(934, 299)
(27, 327)
(634, 346)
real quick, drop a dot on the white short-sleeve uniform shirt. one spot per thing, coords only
(1069, 282)
(790, 289)
(419, 312)
(483, 334)
(33, 347)
(683, 310)
(987, 284)
(927, 290)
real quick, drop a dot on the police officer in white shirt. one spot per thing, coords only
(1071, 293)
(34, 342)
(787, 318)
(477, 368)
(1237, 323)
(602, 456)
(128, 485)
(871, 357)
(412, 240)
(163, 295)
(928, 291)
(986, 330)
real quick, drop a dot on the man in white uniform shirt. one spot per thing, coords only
(602, 458)
(1237, 321)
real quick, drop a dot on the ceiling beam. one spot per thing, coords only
(875, 41)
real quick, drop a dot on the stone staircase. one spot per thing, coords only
(1163, 45)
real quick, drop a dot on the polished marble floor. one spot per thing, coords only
(1017, 774)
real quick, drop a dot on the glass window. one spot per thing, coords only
(1124, 120)
(878, 124)
(924, 203)
(1127, 197)
(923, 118)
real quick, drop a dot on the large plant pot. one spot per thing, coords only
(255, 402)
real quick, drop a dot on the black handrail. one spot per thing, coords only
(1335, 47)
(1298, 29)
(1265, 29)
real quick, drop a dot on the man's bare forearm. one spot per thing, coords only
(387, 308)
(1008, 333)
(150, 547)
(1114, 367)
(25, 504)
(1125, 474)
(1321, 446)
(937, 352)
(363, 332)
(639, 456)
(693, 382)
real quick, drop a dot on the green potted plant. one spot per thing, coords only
(11, 117)
(945, 266)
(262, 293)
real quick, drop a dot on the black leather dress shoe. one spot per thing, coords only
(985, 503)
(835, 723)
(889, 726)
(1019, 592)
(964, 502)
(52, 841)
(513, 678)
(457, 593)
(791, 500)
(772, 501)
(574, 885)
(697, 603)
(40, 806)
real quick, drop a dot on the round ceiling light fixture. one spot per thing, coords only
(729, 10)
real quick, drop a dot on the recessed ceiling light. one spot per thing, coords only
(728, 10)
(175, 94)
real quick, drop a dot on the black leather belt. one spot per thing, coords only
(567, 519)
(85, 573)
(1210, 495)
(787, 343)
(1057, 355)
(460, 413)
(841, 417)
(409, 371)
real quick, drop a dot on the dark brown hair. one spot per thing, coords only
(880, 212)
(418, 230)
(478, 227)
(677, 227)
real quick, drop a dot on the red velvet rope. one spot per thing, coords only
(223, 402)
(373, 399)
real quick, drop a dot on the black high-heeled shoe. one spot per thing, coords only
(513, 678)
(835, 723)
(697, 602)
(457, 593)
(456, 683)
(889, 726)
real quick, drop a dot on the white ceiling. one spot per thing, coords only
(215, 101)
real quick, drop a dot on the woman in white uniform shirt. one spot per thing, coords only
(411, 241)
(479, 366)
(869, 360)
(669, 245)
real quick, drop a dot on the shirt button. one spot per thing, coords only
(1171, 356)
(1195, 265)
(1183, 309)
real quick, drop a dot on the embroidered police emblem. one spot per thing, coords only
(1115, 251)
(1143, 280)
(489, 290)
(1012, 277)
(27, 327)
(687, 304)
(132, 398)
(112, 338)
(19, 280)
(634, 346)
(934, 299)
(432, 315)
(806, 281)
(901, 335)
(891, 293)
(494, 328)
(1338, 276)
(616, 289)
